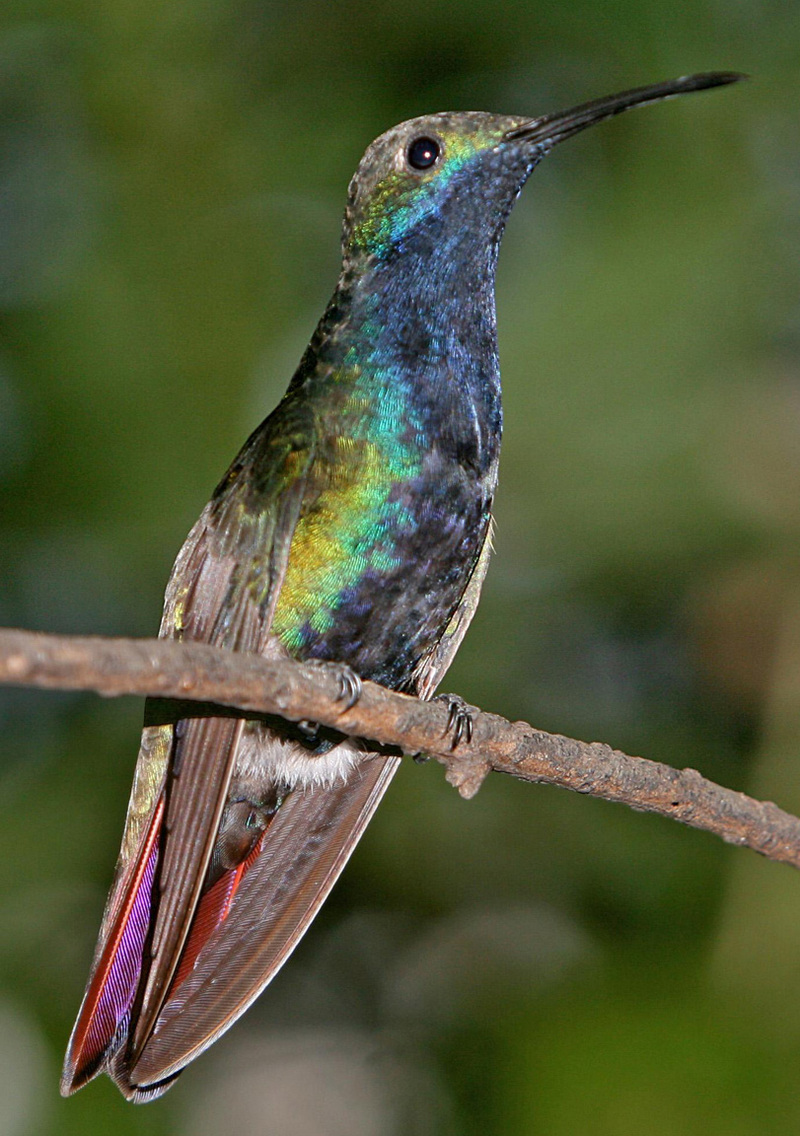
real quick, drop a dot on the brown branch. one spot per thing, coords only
(248, 682)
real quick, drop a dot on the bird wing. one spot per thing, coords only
(222, 590)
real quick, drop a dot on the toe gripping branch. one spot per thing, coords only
(348, 693)
(459, 719)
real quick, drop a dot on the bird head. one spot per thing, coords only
(433, 182)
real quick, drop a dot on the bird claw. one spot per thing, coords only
(349, 687)
(459, 719)
(349, 682)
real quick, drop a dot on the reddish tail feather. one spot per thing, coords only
(102, 1023)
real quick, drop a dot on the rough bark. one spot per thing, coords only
(198, 672)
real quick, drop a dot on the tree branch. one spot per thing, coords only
(195, 671)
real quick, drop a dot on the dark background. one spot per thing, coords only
(172, 177)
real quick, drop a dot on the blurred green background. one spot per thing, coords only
(172, 177)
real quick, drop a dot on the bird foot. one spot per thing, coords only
(459, 720)
(349, 682)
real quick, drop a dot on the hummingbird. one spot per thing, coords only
(353, 530)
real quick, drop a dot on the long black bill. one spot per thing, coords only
(553, 128)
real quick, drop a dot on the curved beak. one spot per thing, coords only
(554, 128)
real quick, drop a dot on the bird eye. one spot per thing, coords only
(423, 153)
